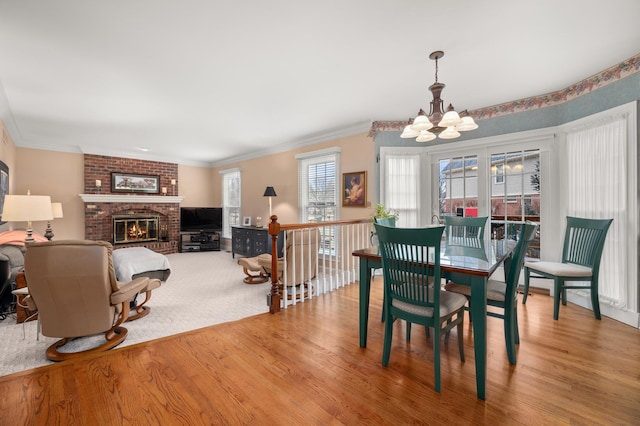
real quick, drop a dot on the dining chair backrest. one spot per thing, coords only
(464, 236)
(584, 241)
(513, 264)
(386, 221)
(406, 253)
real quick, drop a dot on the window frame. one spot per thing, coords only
(226, 222)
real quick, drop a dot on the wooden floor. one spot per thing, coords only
(304, 366)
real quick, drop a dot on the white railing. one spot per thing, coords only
(317, 258)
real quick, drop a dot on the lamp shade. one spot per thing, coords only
(56, 209)
(269, 192)
(27, 208)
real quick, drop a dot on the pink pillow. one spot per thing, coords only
(16, 238)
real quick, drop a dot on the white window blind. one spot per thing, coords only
(231, 200)
(318, 188)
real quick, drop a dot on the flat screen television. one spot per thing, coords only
(194, 219)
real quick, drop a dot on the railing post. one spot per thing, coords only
(274, 230)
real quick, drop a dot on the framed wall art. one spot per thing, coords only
(354, 193)
(126, 182)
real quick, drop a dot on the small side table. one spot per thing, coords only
(22, 310)
(23, 314)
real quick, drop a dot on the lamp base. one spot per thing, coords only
(48, 234)
(29, 237)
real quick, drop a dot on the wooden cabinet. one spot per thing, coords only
(249, 241)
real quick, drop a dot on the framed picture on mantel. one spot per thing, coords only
(127, 182)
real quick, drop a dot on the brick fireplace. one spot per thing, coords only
(102, 206)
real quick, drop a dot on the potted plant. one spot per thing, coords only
(381, 212)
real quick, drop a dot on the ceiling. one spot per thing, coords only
(208, 82)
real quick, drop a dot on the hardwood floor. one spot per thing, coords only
(304, 366)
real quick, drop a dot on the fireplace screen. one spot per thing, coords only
(136, 229)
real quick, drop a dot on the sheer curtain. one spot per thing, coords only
(597, 188)
(231, 199)
(402, 187)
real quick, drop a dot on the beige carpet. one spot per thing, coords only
(203, 289)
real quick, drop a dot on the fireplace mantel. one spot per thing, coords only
(117, 198)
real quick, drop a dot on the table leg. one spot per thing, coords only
(365, 293)
(479, 317)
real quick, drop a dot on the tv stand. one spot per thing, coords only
(199, 241)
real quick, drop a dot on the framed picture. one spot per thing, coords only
(246, 221)
(354, 193)
(126, 182)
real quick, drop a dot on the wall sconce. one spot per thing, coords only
(56, 209)
(269, 192)
(27, 208)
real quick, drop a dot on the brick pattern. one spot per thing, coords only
(98, 216)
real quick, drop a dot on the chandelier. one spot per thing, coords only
(448, 125)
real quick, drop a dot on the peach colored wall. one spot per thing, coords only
(59, 175)
(7, 152)
(281, 171)
(7, 155)
(195, 185)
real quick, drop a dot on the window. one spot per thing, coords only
(498, 173)
(401, 186)
(515, 194)
(458, 186)
(318, 191)
(231, 196)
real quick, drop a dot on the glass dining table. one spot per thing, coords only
(473, 269)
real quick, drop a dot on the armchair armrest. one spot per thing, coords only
(128, 290)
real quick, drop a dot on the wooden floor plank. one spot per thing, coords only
(304, 366)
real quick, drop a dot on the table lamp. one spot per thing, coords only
(269, 192)
(27, 208)
(56, 209)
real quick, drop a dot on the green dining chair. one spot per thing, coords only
(406, 253)
(464, 236)
(386, 221)
(391, 222)
(504, 294)
(581, 254)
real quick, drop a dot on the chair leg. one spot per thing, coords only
(526, 285)
(515, 323)
(510, 335)
(408, 337)
(557, 290)
(436, 357)
(595, 301)
(388, 336)
(460, 327)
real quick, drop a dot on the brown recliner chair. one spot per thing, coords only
(301, 255)
(73, 286)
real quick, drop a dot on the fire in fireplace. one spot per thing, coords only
(135, 229)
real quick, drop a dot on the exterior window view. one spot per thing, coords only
(514, 192)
